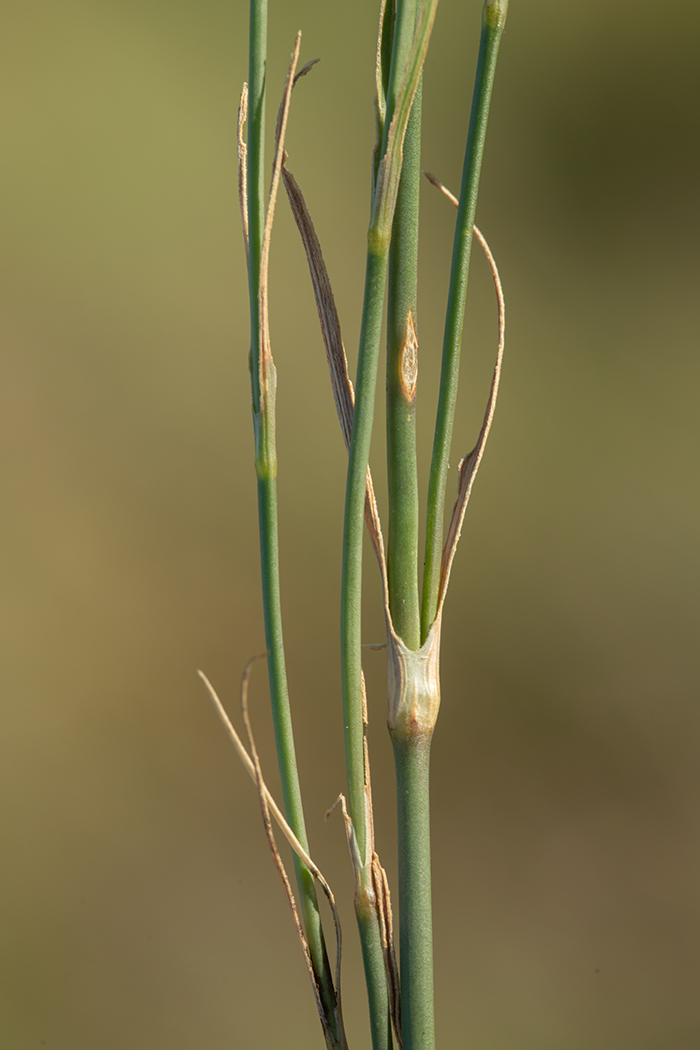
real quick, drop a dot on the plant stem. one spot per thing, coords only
(351, 646)
(403, 83)
(401, 377)
(493, 21)
(373, 962)
(412, 759)
(266, 470)
(256, 176)
(351, 599)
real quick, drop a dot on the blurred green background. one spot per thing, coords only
(140, 907)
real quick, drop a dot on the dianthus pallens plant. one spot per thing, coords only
(400, 995)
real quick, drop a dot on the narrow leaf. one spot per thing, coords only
(469, 466)
(269, 806)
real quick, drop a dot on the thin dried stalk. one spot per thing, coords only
(268, 807)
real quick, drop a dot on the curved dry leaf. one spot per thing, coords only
(471, 462)
(269, 806)
(243, 167)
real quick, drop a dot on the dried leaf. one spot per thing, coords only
(269, 806)
(267, 375)
(243, 165)
(381, 889)
(471, 462)
(343, 392)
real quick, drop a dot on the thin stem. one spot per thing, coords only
(266, 469)
(351, 646)
(256, 175)
(402, 39)
(493, 21)
(351, 598)
(379, 236)
(412, 759)
(365, 387)
(284, 737)
(401, 378)
(374, 964)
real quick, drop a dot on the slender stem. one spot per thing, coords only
(401, 377)
(493, 21)
(256, 175)
(351, 644)
(412, 759)
(383, 204)
(379, 237)
(374, 964)
(351, 598)
(266, 469)
(402, 39)
(284, 738)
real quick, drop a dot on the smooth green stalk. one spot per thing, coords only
(284, 738)
(401, 377)
(493, 21)
(351, 600)
(373, 961)
(402, 39)
(412, 760)
(365, 387)
(266, 469)
(379, 236)
(256, 176)
(351, 637)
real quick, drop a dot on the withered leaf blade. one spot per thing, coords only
(243, 167)
(268, 807)
(469, 466)
(343, 393)
(325, 305)
(266, 367)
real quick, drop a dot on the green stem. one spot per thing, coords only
(256, 176)
(412, 759)
(266, 469)
(401, 376)
(493, 21)
(373, 961)
(351, 598)
(351, 643)
(284, 739)
(379, 236)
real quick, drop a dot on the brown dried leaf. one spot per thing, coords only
(243, 164)
(266, 365)
(471, 462)
(269, 806)
(343, 392)
(386, 921)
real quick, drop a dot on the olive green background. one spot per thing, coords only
(140, 908)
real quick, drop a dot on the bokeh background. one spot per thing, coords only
(140, 907)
